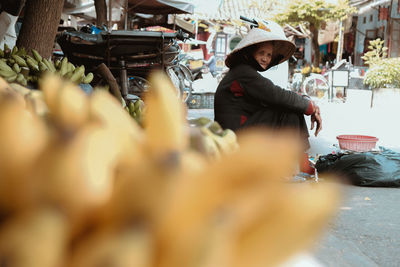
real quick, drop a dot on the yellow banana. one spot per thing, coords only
(78, 74)
(88, 78)
(164, 120)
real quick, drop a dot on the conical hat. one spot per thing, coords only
(283, 48)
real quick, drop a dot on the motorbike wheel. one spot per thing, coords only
(137, 85)
(181, 83)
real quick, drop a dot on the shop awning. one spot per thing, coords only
(161, 6)
(372, 4)
(186, 25)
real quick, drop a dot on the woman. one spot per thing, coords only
(244, 98)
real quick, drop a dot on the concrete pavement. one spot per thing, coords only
(366, 230)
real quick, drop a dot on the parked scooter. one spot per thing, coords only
(131, 56)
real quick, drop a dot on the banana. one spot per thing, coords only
(11, 78)
(22, 232)
(131, 107)
(42, 66)
(107, 110)
(21, 52)
(230, 137)
(20, 89)
(71, 67)
(57, 64)
(64, 66)
(4, 66)
(215, 128)
(35, 103)
(222, 145)
(21, 79)
(88, 78)
(78, 74)
(49, 65)
(69, 105)
(20, 61)
(36, 55)
(10, 61)
(19, 151)
(32, 59)
(7, 73)
(7, 50)
(164, 121)
(14, 50)
(68, 75)
(1, 53)
(32, 65)
(16, 68)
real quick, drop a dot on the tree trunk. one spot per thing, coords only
(101, 12)
(39, 29)
(315, 45)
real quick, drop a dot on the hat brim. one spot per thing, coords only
(283, 48)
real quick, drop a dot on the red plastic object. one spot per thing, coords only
(359, 143)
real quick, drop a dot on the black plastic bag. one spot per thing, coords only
(364, 169)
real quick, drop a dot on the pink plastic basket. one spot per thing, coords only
(359, 143)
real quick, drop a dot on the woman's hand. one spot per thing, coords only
(316, 118)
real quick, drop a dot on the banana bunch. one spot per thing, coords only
(86, 186)
(16, 65)
(135, 109)
(214, 141)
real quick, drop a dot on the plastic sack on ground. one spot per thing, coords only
(364, 169)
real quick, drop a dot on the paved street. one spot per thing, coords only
(366, 231)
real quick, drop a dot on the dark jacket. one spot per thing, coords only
(243, 94)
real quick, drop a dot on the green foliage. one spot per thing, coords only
(313, 12)
(377, 52)
(383, 72)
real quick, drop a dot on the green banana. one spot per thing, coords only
(68, 75)
(16, 68)
(78, 74)
(21, 52)
(21, 79)
(57, 64)
(71, 67)
(12, 78)
(4, 66)
(1, 53)
(31, 58)
(14, 50)
(88, 78)
(49, 65)
(215, 128)
(20, 61)
(36, 55)
(42, 67)
(11, 61)
(64, 66)
(32, 64)
(7, 50)
(7, 73)
(131, 107)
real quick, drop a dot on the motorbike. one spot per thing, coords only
(196, 66)
(130, 56)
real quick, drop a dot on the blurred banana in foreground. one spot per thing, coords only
(164, 121)
(85, 185)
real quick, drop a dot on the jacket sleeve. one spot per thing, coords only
(258, 87)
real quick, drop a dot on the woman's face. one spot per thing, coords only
(263, 54)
